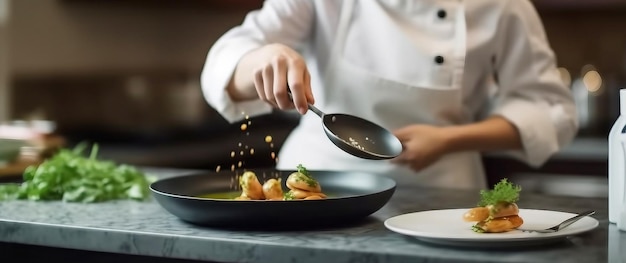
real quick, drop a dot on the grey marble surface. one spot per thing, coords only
(144, 228)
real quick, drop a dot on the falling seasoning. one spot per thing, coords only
(251, 151)
(244, 126)
(232, 154)
(232, 167)
(241, 153)
(239, 164)
(218, 168)
(268, 139)
(273, 155)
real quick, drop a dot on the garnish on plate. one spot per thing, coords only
(72, 177)
(497, 210)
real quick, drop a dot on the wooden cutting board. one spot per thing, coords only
(16, 168)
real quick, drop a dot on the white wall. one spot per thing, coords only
(76, 37)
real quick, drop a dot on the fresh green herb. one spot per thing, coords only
(289, 196)
(310, 182)
(477, 229)
(9, 191)
(303, 170)
(307, 178)
(503, 191)
(71, 177)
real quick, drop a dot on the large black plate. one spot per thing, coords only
(352, 196)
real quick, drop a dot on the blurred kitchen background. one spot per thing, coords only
(125, 74)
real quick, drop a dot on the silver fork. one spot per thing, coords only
(561, 225)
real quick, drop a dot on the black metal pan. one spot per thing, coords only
(358, 136)
(351, 196)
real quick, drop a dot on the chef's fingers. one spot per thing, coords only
(268, 84)
(403, 133)
(295, 78)
(280, 83)
(307, 87)
(404, 159)
(258, 84)
(400, 159)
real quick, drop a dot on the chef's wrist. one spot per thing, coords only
(453, 139)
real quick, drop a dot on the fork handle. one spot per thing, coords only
(575, 218)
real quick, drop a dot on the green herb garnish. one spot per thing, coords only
(289, 196)
(477, 229)
(308, 179)
(503, 191)
(71, 177)
(303, 170)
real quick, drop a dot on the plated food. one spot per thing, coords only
(301, 185)
(444, 227)
(352, 195)
(497, 210)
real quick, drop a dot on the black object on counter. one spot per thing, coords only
(351, 196)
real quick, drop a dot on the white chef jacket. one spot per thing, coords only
(493, 54)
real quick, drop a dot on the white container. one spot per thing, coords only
(620, 204)
(617, 162)
(617, 243)
(621, 221)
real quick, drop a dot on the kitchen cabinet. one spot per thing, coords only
(254, 4)
(579, 5)
(212, 4)
(4, 62)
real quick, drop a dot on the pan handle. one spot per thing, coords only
(311, 107)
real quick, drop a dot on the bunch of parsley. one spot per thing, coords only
(72, 177)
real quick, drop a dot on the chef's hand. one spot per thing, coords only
(277, 68)
(422, 145)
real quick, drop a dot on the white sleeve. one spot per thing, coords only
(279, 21)
(531, 93)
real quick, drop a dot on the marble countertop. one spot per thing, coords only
(144, 228)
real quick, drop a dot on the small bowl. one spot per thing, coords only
(10, 149)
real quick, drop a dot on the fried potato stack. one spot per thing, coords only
(497, 211)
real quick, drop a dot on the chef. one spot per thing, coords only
(450, 78)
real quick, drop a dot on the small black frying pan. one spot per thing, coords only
(358, 136)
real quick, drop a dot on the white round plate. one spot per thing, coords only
(447, 227)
